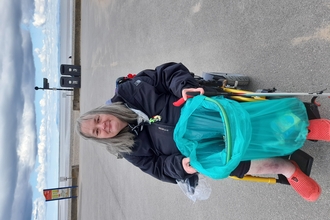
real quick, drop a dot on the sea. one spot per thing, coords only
(65, 101)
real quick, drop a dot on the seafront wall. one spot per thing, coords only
(76, 48)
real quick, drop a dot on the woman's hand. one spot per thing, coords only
(184, 92)
(187, 167)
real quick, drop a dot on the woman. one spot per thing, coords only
(139, 125)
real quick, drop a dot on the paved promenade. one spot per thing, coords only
(282, 44)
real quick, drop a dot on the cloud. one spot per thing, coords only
(39, 210)
(39, 16)
(17, 128)
(42, 156)
(27, 11)
(42, 55)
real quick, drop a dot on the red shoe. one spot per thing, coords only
(305, 186)
(319, 129)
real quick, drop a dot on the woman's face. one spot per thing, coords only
(102, 126)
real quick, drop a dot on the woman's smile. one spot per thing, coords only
(102, 126)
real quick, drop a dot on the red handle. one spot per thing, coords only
(178, 103)
(181, 101)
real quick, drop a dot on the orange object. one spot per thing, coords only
(305, 186)
(319, 129)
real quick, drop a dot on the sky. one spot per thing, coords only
(28, 128)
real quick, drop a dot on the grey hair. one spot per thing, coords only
(124, 140)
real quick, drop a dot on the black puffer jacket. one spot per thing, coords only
(153, 92)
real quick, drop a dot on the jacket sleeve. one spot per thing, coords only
(170, 77)
(167, 168)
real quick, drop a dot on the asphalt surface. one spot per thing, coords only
(283, 44)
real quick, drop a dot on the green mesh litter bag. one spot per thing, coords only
(218, 133)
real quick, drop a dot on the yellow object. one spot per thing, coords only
(259, 179)
(242, 98)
